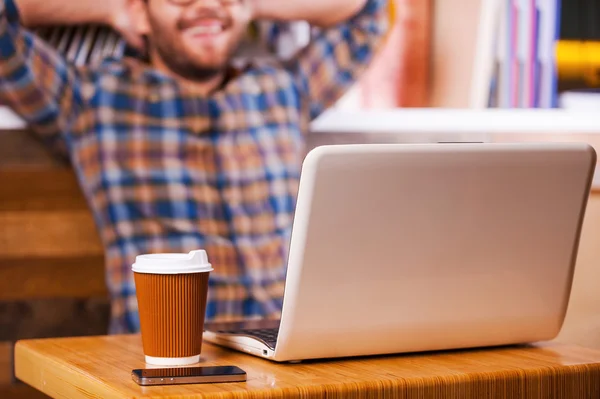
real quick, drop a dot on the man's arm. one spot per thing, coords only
(342, 45)
(321, 13)
(72, 12)
(64, 12)
(35, 81)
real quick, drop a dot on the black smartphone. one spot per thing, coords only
(188, 375)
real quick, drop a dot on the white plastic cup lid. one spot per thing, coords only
(194, 262)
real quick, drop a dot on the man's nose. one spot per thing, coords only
(203, 8)
(207, 4)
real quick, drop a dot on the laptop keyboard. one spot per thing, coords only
(267, 335)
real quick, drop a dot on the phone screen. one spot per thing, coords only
(189, 372)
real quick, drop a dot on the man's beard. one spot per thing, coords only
(178, 64)
(175, 58)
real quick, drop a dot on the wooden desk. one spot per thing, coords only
(100, 367)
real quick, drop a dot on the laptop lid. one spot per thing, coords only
(402, 248)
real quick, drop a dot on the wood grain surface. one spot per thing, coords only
(101, 367)
(49, 246)
(22, 149)
(40, 188)
(6, 364)
(52, 277)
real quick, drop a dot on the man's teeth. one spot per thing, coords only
(206, 30)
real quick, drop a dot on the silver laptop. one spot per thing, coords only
(418, 247)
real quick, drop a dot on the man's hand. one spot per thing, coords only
(317, 12)
(69, 12)
(120, 20)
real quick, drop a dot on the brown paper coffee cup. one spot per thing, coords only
(171, 293)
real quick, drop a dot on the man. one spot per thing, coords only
(187, 152)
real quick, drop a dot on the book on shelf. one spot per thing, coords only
(537, 54)
(515, 64)
(581, 100)
(578, 56)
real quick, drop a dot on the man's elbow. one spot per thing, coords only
(345, 10)
(354, 7)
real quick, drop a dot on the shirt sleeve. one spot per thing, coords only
(35, 80)
(336, 56)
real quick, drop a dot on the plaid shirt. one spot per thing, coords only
(165, 169)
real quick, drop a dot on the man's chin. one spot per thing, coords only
(203, 73)
(205, 66)
(201, 61)
(196, 72)
(193, 66)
